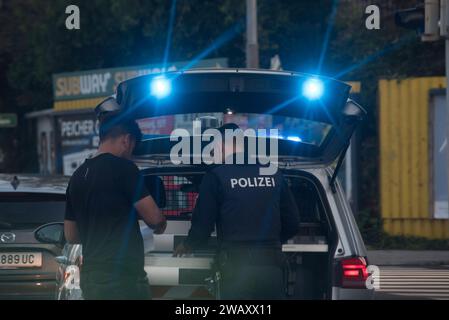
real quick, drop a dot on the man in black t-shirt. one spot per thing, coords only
(105, 199)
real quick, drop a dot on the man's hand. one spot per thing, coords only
(160, 228)
(151, 214)
(181, 250)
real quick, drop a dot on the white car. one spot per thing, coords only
(315, 119)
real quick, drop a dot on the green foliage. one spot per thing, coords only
(113, 33)
(133, 32)
(375, 238)
(412, 243)
(367, 56)
(295, 30)
(370, 227)
(35, 44)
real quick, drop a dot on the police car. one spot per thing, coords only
(314, 121)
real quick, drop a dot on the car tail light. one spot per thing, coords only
(352, 273)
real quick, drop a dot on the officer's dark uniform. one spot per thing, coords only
(253, 214)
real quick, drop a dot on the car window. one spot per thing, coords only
(301, 130)
(30, 210)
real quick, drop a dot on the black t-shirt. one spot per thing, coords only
(100, 198)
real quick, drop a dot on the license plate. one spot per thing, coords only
(12, 260)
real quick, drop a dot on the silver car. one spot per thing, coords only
(315, 120)
(29, 238)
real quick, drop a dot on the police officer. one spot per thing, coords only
(253, 215)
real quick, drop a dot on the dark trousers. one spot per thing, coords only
(94, 287)
(253, 274)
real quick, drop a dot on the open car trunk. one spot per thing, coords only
(315, 120)
(312, 131)
(309, 253)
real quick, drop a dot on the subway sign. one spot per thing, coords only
(103, 82)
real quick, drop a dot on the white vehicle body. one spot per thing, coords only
(327, 259)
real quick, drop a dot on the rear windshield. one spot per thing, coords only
(30, 210)
(294, 129)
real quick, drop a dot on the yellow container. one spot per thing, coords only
(405, 179)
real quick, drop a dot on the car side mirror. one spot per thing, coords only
(52, 233)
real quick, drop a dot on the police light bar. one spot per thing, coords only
(313, 89)
(232, 91)
(160, 87)
(294, 138)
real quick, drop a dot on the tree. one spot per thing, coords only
(113, 33)
(368, 55)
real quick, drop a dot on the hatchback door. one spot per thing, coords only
(313, 114)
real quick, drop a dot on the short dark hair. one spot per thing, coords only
(113, 127)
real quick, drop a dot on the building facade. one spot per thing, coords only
(68, 133)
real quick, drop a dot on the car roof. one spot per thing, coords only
(34, 183)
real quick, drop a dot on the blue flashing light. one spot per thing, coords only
(313, 89)
(160, 87)
(294, 138)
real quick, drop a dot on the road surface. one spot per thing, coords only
(413, 283)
